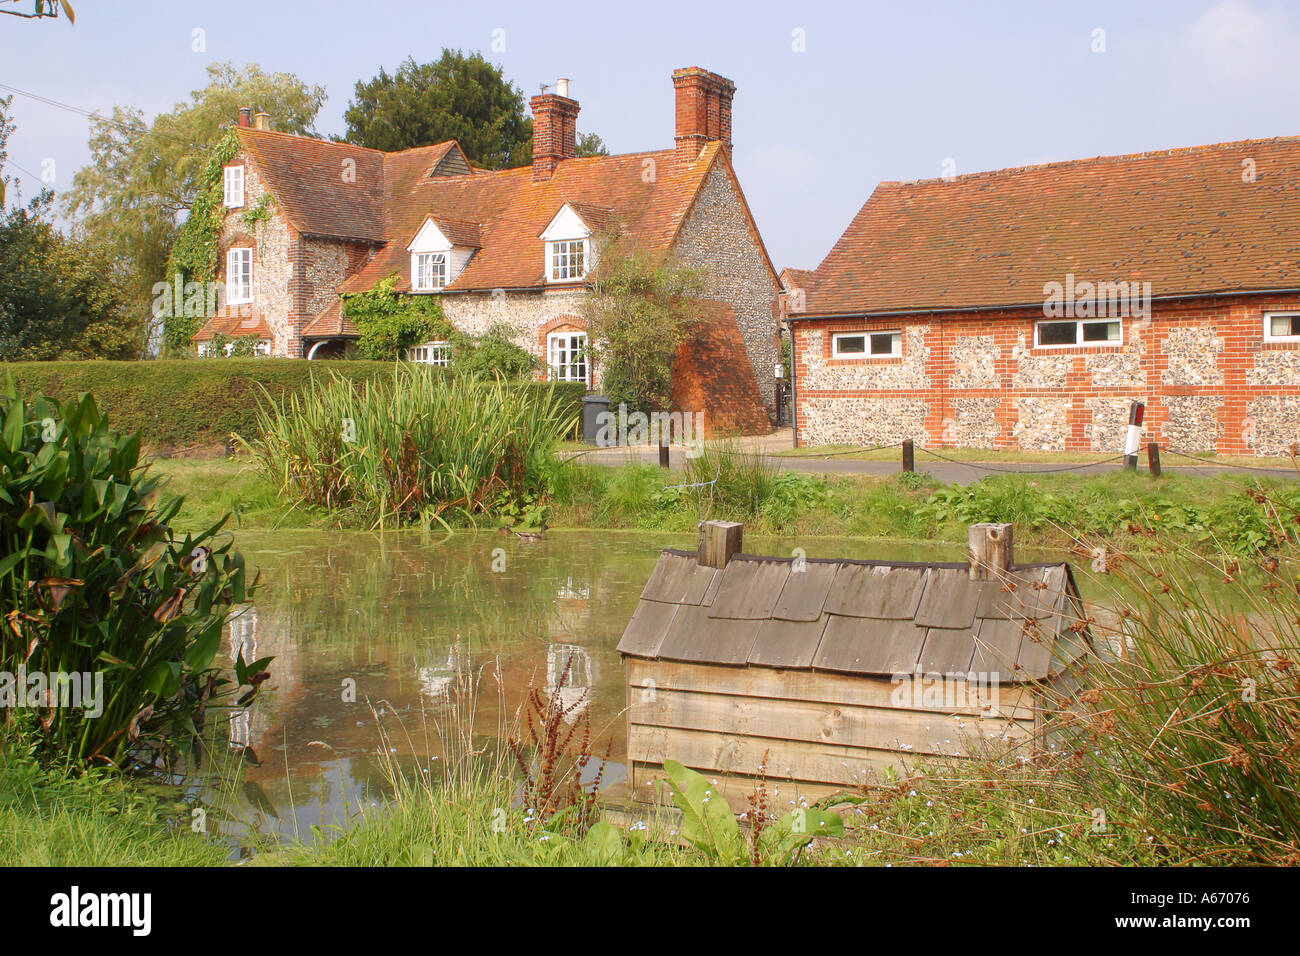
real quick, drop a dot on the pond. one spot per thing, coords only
(357, 620)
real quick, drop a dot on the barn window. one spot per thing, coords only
(850, 345)
(1282, 326)
(1072, 334)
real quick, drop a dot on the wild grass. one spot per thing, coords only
(417, 448)
(58, 816)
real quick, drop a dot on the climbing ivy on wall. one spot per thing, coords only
(388, 323)
(195, 253)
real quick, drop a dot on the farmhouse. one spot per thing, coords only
(832, 671)
(308, 221)
(1029, 307)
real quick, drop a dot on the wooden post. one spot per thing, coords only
(719, 541)
(663, 451)
(909, 455)
(1153, 459)
(990, 548)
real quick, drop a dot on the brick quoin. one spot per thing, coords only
(1210, 381)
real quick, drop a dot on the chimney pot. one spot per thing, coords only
(244, 113)
(562, 86)
(262, 121)
(555, 117)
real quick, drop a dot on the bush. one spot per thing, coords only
(420, 445)
(94, 582)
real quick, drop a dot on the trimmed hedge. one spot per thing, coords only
(184, 403)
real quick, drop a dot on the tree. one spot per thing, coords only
(640, 310)
(57, 295)
(42, 8)
(143, 177)
(461, 97)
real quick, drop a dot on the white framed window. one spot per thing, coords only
(261, 347)
(429, 271)
(239, 276)
(1282, 326)
(432, 353)
(1076, 333)
(856, 345)
(566, 354)
(234, 182)
(566, 260)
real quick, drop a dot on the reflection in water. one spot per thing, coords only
(396, 616)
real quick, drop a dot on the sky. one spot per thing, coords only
(831, 98)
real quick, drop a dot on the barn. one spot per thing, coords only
(835, 670)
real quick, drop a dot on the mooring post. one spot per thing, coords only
(719, 542)
(1133, 440)
(1153, 459)
(991, 550)
(909, 455)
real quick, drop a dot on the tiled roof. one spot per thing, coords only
(798, 278)
(511, 210)
(336, 189)
(234, 322)
(1189, 221)
(331, 323)
(858, 617)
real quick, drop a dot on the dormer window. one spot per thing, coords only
(234, 183)
(568, 260)
(567, 238)
(429, 271)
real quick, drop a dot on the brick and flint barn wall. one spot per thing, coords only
(1210, 381)
(716, 238)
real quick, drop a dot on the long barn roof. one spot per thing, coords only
(858, 617)
(1202, 220)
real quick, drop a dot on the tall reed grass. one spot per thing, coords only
(420, 446)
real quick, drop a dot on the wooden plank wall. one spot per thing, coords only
(822, 732)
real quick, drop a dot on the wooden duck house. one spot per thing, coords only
(836, 669)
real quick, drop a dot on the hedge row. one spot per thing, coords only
(185, 403)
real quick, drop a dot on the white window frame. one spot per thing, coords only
(439, 276)
(1079, 343)
(431, 353)
(233, 187)
(562, 369)
(896, 352)
(557, 247)
(246, 291)
(1268, 326)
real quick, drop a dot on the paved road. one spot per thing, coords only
(946, 471)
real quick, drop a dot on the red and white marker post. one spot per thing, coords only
(1133, 441)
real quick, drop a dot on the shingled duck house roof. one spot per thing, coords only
(866, 618)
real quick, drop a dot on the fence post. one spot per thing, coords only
(1133, 440)
(1153, 459)
(909, 459)
(663, 452)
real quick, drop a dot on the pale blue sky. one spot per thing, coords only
(882, 90)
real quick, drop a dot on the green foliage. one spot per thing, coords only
(418, 446)
(459, 96)
(144, 177)
(183, 403)
(639, 312)
(389, 323)
(492, 353)
(58, 297)
(95, 581)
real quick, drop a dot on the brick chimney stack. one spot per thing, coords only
(244, 114)
(703, 111)
(555, 119)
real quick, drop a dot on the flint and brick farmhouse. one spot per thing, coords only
(1029, 307)
(509, 248)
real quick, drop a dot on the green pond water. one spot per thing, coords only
(398, 613)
